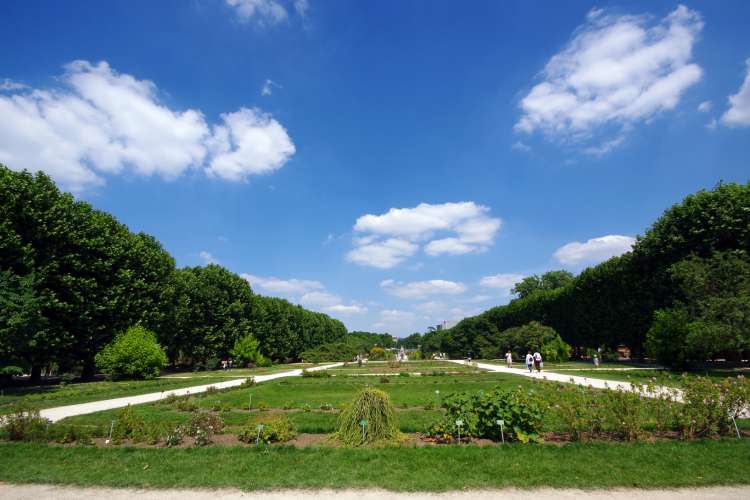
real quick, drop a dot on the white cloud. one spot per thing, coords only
(7, 85)
(102, 122)
(320, 299)
(520, 146)
(504, 282)
(383, 254)
(705, 106)
(616, 70)
(301, 6)
(208, 258)
(396, 321)
(738, 114)
(594, 250)
(281, 286)
(345, 310)
(422, 289)
(390, 238)
(262, 11)
(250, 142)
(268, 86)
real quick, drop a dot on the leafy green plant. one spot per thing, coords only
(187, 404)
(271, 429)
(129, 425)
(710, 406)
(203, 426)
(175, 437)
(25, 425)
(315, 374)
(384, 380)
(132, 354)
(247, 351)
(520, 411)
(373, 408)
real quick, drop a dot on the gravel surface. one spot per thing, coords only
(53, 492)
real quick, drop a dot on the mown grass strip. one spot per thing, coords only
(594, 465)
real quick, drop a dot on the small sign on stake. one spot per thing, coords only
(363, 424)
(250, 403)
(501, 423)
(731, 415)
(459, 424)
(111, 428)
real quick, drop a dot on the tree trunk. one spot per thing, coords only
(36, 373)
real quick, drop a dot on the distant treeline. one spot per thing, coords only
(615, 302)
(72, 277)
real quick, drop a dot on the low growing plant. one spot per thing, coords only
(270, 429)
(25, 425)
(373, 408)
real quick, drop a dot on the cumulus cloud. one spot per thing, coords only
(301, 6)
(346, 310)
(520, 146)
(309, 293)
(272, 285)
(102, 122)
(208, 258)
(705, 106)
(738, 114)
(388, 239)
(504, 282)
(617, 70)
(261, 11)
(396, 321)
(422, 289)
(7, 85)
(594, 250)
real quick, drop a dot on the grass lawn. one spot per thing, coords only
(599, 465)
(49, 396)
(425, 367)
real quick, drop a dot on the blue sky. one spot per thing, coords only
(394, 164)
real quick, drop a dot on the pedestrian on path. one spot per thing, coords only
(509, 359)
(529, 361)
(538, 361)
(596, 361)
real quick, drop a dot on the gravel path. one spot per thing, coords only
(61, 412)
(572, 379)
(52, 492)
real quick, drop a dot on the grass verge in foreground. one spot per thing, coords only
(596, 465)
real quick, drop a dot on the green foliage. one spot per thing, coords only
(337, 351)
(246, 351)
(268, 429)
(315, 374)
(380, 354)
(666, 337)
(710, 406)
(132, 354)
(372, 407)
(25, 425)
(521, 412)
(548, 281)
(129, 425)
(532, 337)
(202, 427)
(364, 341)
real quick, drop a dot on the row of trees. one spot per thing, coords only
(616, 301)
(72, 277)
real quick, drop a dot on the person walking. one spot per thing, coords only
(529, 361)
(596, 361)
(538, 361)
(509, 359)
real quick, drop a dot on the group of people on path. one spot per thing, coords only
(532, 361)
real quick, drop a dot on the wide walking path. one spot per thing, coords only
(61, 412)
(597, 383)
(34, 492)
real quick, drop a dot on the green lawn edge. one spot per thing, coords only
(587, 466)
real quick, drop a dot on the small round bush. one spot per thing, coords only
(132, 354)
(372, 407)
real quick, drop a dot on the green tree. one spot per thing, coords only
(548, 281)
(132, 354)
(246, 351)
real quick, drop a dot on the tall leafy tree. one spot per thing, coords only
(548, 281)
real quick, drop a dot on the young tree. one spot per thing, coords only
(132, 354)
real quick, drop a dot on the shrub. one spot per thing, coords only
(187, 404)
(306, 408)
(373, 406)
(247, 350)
(336, 351)
(273, 429)
(248, 383)
(206, 424)
(579, 411)
(132, 354)
(709, 406)
(175, 437)
(67, 434)
(404, 374)
(315, 374)
(25, 425)
(129, 425)
(384, 380)
(626, 412)
(520, 410)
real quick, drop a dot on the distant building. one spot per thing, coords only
(445, 325)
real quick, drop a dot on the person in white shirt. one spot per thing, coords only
(538, 361)
(529, 361)
(509, 359)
